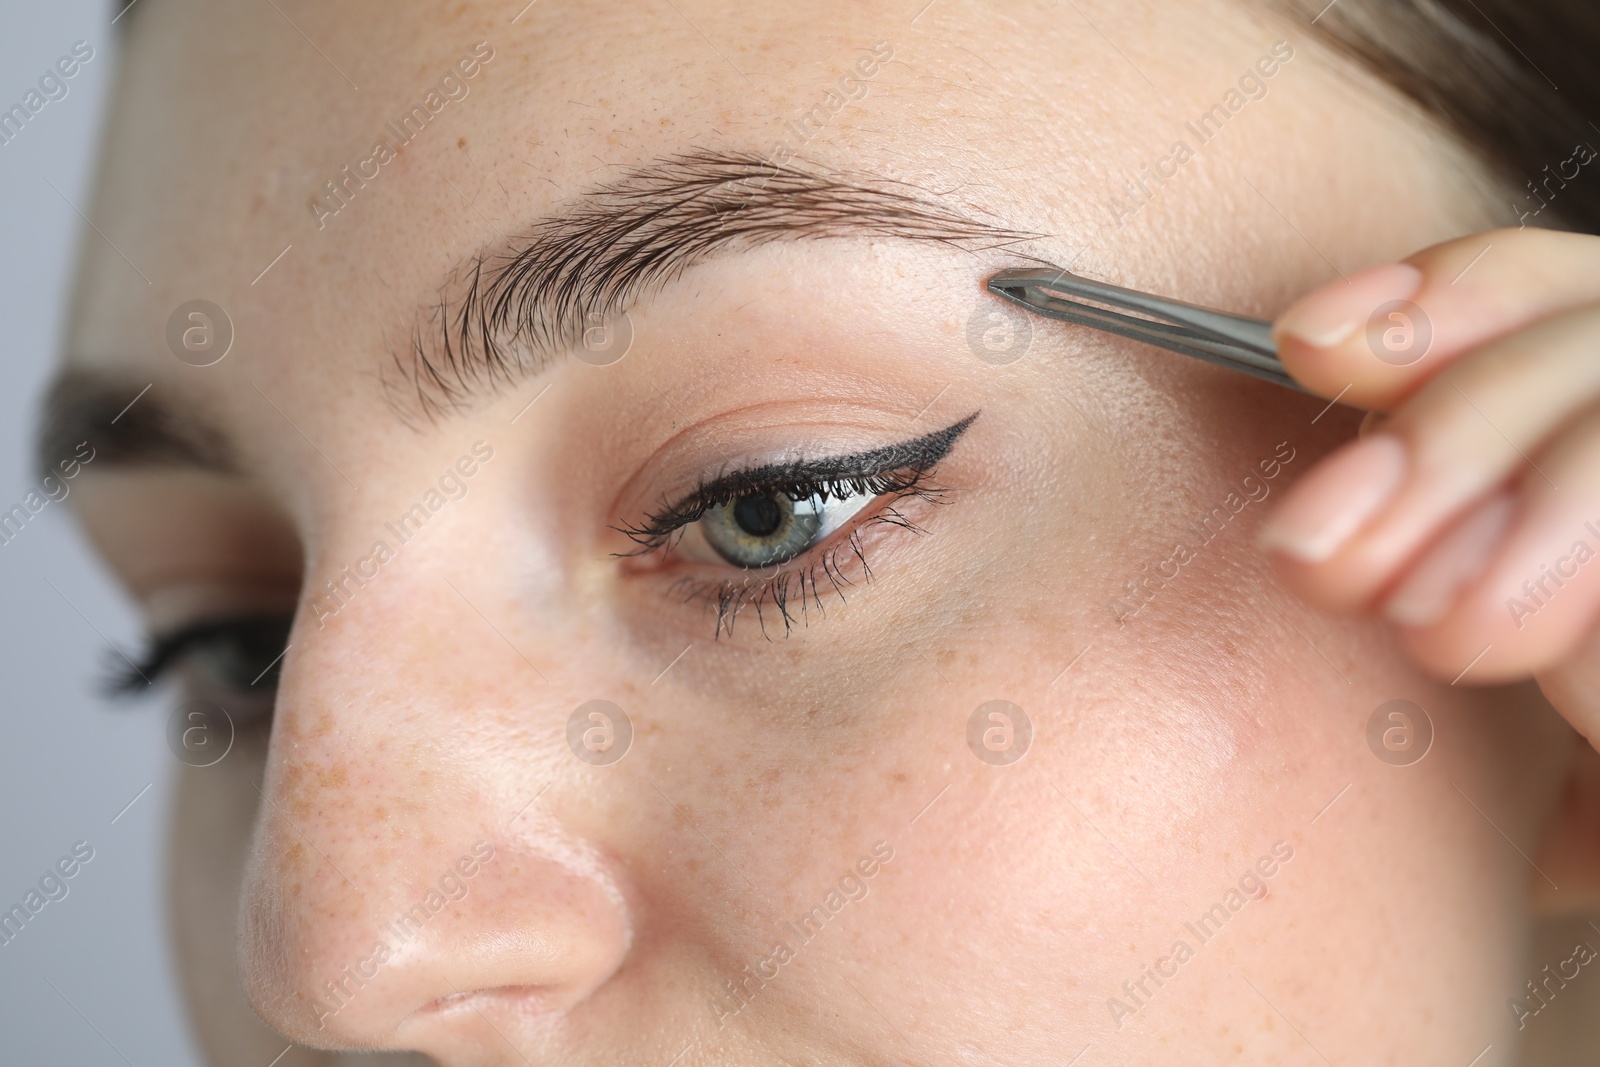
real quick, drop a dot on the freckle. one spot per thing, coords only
(461, 142)
(897, 776)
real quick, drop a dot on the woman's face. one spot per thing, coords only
(799, 829)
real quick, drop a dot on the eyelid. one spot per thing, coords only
(858, 471)
(919, 452)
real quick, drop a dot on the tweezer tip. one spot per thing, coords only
(1022, 277)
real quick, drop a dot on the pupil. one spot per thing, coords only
(758, 516)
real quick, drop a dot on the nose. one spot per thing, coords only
(405, 889)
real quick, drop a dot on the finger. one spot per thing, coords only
(1360, 518)
(1538, 599)
(1375, 338)
(1428, 590)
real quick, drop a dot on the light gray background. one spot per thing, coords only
(70, 760)
(90, 980)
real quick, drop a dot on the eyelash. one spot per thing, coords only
(164, 653)
(903, 473)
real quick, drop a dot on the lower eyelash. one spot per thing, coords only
(801, 589)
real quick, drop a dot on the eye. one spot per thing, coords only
(768, 528)
(767, 515)
(242, 655)
(760, 518)
(224, 657)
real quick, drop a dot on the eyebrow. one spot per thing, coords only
(124, 425)
(505, 313)
(502, 316)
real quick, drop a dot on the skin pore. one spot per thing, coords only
(615, 913)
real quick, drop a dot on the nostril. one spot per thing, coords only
(524, 1000)
(445, 1003)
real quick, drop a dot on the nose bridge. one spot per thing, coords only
(391, 866)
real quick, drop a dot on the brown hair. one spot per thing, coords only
(1517, 81)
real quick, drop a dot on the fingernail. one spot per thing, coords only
(1434, 584)
(1336, 499)
(1331, 315)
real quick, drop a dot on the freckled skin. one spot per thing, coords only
(620, 901)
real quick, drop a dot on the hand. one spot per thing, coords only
(1470, 515)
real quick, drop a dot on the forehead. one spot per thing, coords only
(232, 118)
(317, 171)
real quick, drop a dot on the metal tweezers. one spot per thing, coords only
(1233, 341)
